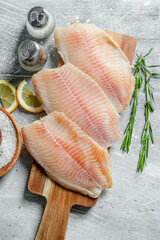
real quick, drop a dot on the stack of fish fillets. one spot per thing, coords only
(83, 99)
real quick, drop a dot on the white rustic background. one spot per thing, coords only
(131, 209)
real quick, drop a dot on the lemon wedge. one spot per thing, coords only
(8, 96)
(27, 98)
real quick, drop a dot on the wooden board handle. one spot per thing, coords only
(53, 225)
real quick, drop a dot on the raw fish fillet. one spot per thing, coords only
(67, 89)
(68, 154)
(93, 51)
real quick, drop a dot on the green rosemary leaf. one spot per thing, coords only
(129, 137)
(149, 106)
(151, 86)
(147, 145)
(124, 145)
(153, 66)
(148, 53)
(155, 75)
(151, 94)
(146, 110)
(151, 133)
(145, 69)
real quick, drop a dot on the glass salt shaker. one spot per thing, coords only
(32, 56)
(39, 23)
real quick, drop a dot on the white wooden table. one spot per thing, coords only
(131, 209)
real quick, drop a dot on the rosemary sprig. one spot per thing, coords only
(147, 133)
(140, 71)
(137, 72)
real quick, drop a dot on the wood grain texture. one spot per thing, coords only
(14, 159)
(123, 41)
(59, 200)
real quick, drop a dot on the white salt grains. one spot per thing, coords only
(9, 139)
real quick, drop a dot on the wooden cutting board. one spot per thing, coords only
(59, 200)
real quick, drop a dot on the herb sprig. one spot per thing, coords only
(137, 72)
(141, 72)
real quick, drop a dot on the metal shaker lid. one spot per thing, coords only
(37, 17)
(32, 55)
(39, 22)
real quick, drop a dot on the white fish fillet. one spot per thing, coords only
(93, 51)
(67, 89)
(68, 155)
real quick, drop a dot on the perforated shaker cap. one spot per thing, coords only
(39, 22)
(32, 55)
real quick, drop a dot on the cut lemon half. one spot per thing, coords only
(27, 98)
(8, 96)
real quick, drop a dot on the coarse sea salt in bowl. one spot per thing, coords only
(10, 141)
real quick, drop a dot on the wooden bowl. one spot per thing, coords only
(7, 167)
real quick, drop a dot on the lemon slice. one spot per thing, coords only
(8, 96)
(27, 98)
